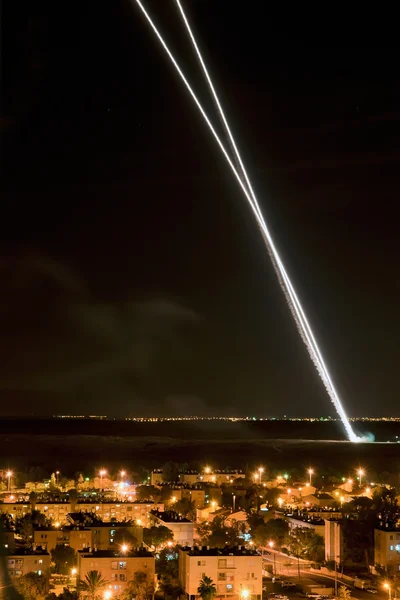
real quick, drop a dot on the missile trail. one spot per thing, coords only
(287, 287)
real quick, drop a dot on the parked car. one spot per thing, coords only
(372, 590)
(288, 584)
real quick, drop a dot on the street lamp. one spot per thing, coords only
(387, 586)
(102, 472)
(74, 571)
(9, 474)
(261, 471)
(124, 548)
(245, 594)
(207, 469)
(311, 473)
(122, 474)
(107, 595)
(271, 545)
(341, 501)
(360, 474)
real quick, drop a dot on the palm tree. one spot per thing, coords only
(92, 585)
(207, 589)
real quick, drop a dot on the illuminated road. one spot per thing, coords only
(287, 568)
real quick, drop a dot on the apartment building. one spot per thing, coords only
(16, 510)
(333, 541)
(104, 534)
(50, 537)
(121, 511)
(23, 561)
(118, 568)
(236, 571)
(178, 492)
(387, 548)
(56, 511)
(182, 529)
(208, 475)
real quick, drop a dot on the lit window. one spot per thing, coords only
(122, 565)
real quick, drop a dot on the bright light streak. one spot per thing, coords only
(290, 294)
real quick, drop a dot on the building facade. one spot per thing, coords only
(387, 549)
(118, 568)
(236, 572)
(333, 541)
(21, 562)
(182, 529)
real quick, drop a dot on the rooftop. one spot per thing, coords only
(169, 516)
(388, 526)
(133, 553)
(227, 551)
(39, 551)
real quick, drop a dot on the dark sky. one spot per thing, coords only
(133, 277)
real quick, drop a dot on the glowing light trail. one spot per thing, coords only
(290, 294)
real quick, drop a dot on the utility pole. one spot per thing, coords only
(335, 577)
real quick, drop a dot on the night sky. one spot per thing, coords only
(133, 277)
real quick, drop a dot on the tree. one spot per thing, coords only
(218, 534)
(28, 522)
(66, 594)
(140, 587)
(33, 499)
(33, 586)
(167, 562)
(157, 536)
(170, 587)
(185, 507)
(305, 543)
(64, 558)
(274, 531)
(147, 492)
(92, 586)
(73, 497)
(344, 593)
(170, 472)
(207, 589)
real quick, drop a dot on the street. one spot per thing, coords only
(288, 567)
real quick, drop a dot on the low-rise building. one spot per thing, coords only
(23, 561)
(318, 525)
(182, 529)
(387, 548)
(16, 510)
(321, 500)
(236, 572)
(118, 568)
